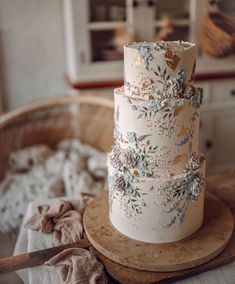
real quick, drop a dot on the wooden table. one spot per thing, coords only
(220, 184)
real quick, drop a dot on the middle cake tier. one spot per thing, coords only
(163, 133)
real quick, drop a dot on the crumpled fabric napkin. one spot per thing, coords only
(88, 269)
(60, 219)
(64, 220)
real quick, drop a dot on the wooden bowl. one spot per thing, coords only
(89, 118)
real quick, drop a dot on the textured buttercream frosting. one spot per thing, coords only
(156, 173)
(148, 65)
(157, 210)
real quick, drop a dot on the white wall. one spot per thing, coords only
(32, 60)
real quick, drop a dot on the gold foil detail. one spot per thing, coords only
(151, 188)
(183, 131)
(178, 110)
(174, 59)
(138, 61)
(179, 159)
(135, 172)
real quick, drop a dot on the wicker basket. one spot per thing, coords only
(89, 118)
(218, 34)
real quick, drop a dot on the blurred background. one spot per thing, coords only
(51, 48)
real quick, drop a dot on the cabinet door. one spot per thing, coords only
(90, 30)
(206, 138)
(223, 143)
(143, 20)
(96, 30)
(177, 13)
(217, 139)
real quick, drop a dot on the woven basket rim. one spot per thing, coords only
(46, 103)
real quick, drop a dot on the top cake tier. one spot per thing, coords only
(147, 66)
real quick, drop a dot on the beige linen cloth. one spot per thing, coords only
(61, 266)
(62, 221)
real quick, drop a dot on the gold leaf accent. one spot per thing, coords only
(179, 159)
(173, 61)
(151, 188)
(183, 131)
(168, 54)
(178, 110)
(138, 61)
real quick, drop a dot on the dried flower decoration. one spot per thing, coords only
(145, 55)
(142, 165)
(115, 157)
(193, 163)
(129, 157)
(145, 51)
(117, 182)
(188, 91)
(117, 134)
(144, 89)
(172, 88)
(196, 186)
(195, 101)
(190, 187)
(131, 137)
(128, 178)
(181, 76)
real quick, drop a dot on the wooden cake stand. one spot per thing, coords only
(201, 247)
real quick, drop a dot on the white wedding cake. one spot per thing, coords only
(156, 172)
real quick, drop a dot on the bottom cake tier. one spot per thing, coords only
(157, 209)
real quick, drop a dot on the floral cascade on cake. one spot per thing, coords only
(156, 172)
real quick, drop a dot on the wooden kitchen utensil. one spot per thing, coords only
(223, 186)
(35, 258)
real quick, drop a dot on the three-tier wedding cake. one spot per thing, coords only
(156, 172)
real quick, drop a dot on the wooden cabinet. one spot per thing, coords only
(217, 135)
(94, 31)
(90, 27)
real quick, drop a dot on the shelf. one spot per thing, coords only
(208, 69)
(176, 22)
(206, 64)
(102, 26)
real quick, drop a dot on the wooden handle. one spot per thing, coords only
(35, 258)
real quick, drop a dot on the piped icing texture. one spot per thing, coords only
(156, 173)
(166, 130)
(156, 209)
(150, 66)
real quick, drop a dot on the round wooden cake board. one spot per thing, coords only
(202, 246)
